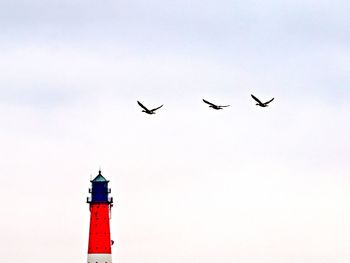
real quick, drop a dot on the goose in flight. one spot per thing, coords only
(145, 110)
(261, 104)
(216, 107)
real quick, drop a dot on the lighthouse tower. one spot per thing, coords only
(99, 250)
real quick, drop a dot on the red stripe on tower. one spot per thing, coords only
(99, 250)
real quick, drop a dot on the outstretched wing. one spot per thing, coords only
(224, 106)
(207, 102)
(269, 101)
(143, 107)
(157, 108)
(255, 98)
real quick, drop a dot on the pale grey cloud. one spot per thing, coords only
(191, 184)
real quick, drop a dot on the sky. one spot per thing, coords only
(190, 184)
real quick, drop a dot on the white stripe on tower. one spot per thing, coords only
(99, 258)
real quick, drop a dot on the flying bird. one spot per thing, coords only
(145, 110)
(216, 107)
(261, 104)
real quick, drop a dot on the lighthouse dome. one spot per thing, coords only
(99, 178)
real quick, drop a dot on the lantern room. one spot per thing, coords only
(99, 190)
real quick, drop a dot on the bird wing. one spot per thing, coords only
(255, 98)
(142, 106)
(207, 102)
(269, 101)
(157, 108)
(225, 106)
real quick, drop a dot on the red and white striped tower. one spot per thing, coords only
(100, 207)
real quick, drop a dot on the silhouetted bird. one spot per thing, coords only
(145, 110)
(216, 107)
(259, 103)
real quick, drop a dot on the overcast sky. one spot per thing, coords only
(190, 184)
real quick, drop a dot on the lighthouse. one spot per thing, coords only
(99, 250)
